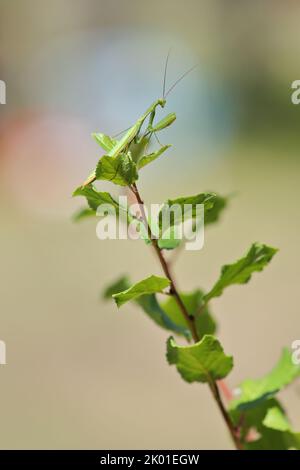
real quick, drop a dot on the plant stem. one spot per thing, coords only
(213, 385)
(165, 267)
(233, 432)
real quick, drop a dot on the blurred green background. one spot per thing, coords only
(79, 373)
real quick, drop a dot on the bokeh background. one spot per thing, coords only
(79, 373)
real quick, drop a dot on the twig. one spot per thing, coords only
(189, 319)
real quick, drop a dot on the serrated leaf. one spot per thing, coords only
(96, 198)
(276, 432)
(120, 170)
(204, 361)
(146, 159)
(240, 272)
(105, 142)
(119, 285)
(84, 213)
(152, 308)
(150, 285)
(255, 391)
(171, 239)
(185, 213)
(269, 422)
(150, 305)
(212, 215)
(205, 323)
(252, 418)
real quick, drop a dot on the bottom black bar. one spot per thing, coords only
(140, 458)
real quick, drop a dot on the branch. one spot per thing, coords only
(165, 267)
(214, 388)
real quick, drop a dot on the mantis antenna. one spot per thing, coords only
(165, 73)
(164, 88)
(179, 79)
(164, 84)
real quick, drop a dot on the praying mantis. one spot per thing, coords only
(115, 148)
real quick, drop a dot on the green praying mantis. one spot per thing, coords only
(133, 135)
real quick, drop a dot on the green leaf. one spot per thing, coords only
(150, 305)
(270, 423)
(138, 148)
(149, 285)
(207, 199)
(253, 417)
(168, 244)
(96, 198)
(152, 308)
(146, 159)
(276, 419)
(84, 213)
(166, 314)
(106, 142)
(171, 241)
(205, 323)
(276, 432)
(212, 215)
(267, 417)
(119, 285)
(120, 170)
(203, 362)
(165, 122)
(240, 272)
(275, 440)
(255, 391)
